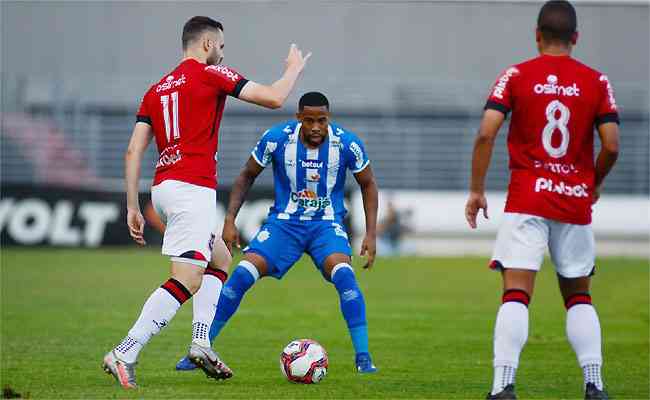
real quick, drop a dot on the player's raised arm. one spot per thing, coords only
(240, 188)
(140, 139)
(274, 95)
(483, 145)
(370, 196)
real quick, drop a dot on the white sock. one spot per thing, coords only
(510, 334)
(156, 313)
(583, 332)
(204, 308)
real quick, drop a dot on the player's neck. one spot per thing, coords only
(192, 56)
(555, 50)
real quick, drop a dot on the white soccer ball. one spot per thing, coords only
(304, 361)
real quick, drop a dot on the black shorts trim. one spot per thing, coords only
(493, 105)
(238, 87)
(143, 118)
(611, 117)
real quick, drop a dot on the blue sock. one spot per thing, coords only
(353, 306)
(233, 291)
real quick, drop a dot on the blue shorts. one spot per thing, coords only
(282, 243)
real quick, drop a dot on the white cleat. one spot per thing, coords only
(122, 371)
(209, 361)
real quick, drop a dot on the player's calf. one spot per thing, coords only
(510, 335)
(583, 332)
(353, 308)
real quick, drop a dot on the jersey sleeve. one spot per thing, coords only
(263, 151)
(225, 79)
(143, 114)
(356, 158)
(500, 98)
(607, 110)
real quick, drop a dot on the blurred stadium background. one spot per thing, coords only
(411, 79)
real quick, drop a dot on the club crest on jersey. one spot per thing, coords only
(501, 84)
(308, 199)
(170, 83)
(170, 156)
(551, 87)
(315, 177)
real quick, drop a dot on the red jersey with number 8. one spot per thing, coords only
(556, 102)
(184, 109)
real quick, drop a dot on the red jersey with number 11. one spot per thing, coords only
(556, 102)
(184, 109)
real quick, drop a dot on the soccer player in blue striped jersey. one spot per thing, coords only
(310, 157)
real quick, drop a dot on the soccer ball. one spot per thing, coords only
(304, 361)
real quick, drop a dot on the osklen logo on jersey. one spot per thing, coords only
(308, 199)
(551, 87)
(500, 86)
(171, 83)
(222, 69)
(544, 184)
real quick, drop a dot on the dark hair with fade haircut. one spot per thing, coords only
(557, 21)
(196, 26)
(313, 99)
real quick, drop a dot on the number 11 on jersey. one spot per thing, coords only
(164, 100)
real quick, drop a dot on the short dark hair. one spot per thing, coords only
(557, 21)
(196, 26)
(313, 99)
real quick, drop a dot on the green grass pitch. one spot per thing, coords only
(430, 319)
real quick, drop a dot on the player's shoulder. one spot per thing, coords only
(345, 135)
(280, 131)
(586, 70)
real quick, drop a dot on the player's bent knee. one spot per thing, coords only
(243, 277)
(517, 296)
(577, 298)
(257, 262)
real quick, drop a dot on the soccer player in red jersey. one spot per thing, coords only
(555, 102)
(183, 112)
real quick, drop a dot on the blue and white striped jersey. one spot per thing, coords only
(309, 183)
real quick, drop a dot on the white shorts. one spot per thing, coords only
(190, 214)
(523, 239)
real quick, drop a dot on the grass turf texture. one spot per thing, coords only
(431, 322)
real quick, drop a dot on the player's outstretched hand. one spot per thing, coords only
(230, 235)
(475, 202)
(295, 58)
(135, 221)
(369, 249)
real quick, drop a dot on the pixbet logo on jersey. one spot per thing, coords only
(308, 199)
(222, 69)
(171, 83)
(561, 188)
(503, 82)
(551, 87)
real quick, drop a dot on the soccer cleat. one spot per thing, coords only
(122, 371)
(508, 393)
(364, 364)
(208, 360)
(592, 393)
(184, 364)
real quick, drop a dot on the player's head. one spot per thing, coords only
(203, 37)
(314, 114)
(557, 24)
